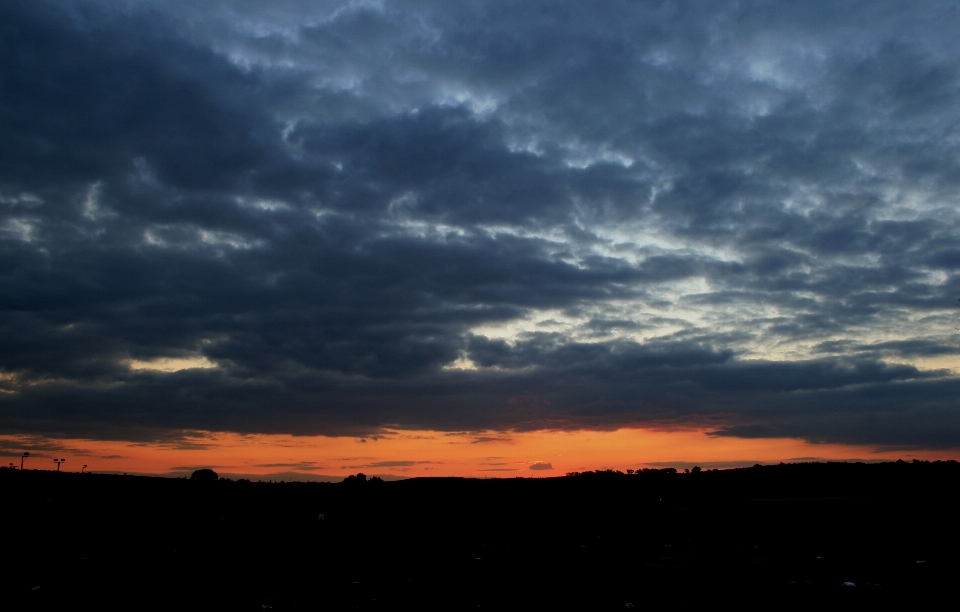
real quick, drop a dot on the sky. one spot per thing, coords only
(300, 238)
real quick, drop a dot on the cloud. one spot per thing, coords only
(390, 464)
(305, 466)
(488, 439)
(341, 218)
(540, 465)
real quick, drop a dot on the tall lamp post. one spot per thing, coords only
(58, 462)
(83, 468)
(22, 457)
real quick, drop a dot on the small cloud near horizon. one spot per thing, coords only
(488, 439)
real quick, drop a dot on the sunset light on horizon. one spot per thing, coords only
(395, 454)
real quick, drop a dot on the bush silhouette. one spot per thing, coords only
(206, 474)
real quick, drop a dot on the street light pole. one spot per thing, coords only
(22, 457)
(58, 462)
(83, 468)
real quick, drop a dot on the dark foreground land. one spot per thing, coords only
(775, 537)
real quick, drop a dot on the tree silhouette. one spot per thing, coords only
(359, 479)
(206, 474)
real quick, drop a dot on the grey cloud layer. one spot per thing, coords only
(480, 216)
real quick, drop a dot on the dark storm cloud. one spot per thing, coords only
(335, 217)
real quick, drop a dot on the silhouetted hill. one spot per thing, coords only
(772, 537)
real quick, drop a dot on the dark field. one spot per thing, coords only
(775, 537)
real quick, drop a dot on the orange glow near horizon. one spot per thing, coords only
(404, 454)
